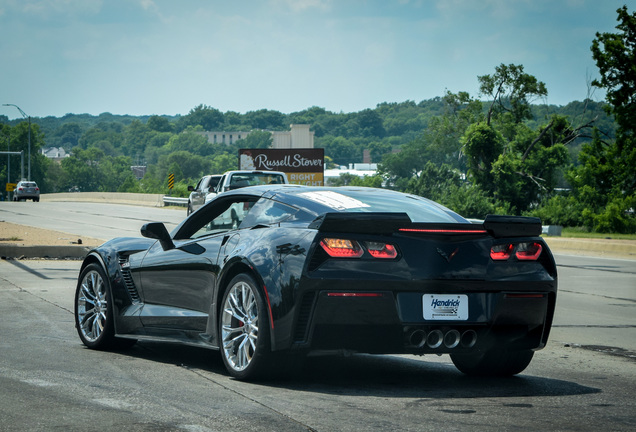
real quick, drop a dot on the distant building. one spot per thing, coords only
(222, 137)
(358, 169)
(298, 137)
(55, 153)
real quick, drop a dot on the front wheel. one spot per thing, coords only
(495, 362)
(244, 330)
(94, 311)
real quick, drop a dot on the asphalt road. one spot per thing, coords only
(585, 379)
(97, 220)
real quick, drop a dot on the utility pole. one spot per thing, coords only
(29, 119)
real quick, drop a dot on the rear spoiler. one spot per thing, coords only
(372, 222)
(388, 223)
(513, 226)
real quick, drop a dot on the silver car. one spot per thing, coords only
(25, 190)
(206, 185)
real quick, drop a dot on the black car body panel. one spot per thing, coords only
(383, 300)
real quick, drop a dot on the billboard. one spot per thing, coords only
(302, 166)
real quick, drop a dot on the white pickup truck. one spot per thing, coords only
(211, 185)
(237, 179)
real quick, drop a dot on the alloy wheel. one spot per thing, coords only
(92, 306)
(239, 326)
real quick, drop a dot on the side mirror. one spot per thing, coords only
(158, 231)
(190, 188)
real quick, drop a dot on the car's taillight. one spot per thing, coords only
(37, 189)
(529, 251)
(345, 248)
(341, 248)
(501, 252)
(381, 250)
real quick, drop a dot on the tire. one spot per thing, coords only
(94, 311)
(189, 211)
(244, 330)
(496, 362)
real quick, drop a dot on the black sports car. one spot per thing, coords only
(266, 272)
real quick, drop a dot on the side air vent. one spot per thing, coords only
(124, 265)
(304, 316)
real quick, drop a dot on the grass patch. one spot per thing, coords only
(11, 239)
(578, 232)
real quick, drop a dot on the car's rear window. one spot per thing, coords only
(255, 179)
(373, 200)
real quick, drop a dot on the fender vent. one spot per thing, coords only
(124, 266)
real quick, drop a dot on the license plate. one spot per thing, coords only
(445, 307)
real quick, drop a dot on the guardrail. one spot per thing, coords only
(167, 200)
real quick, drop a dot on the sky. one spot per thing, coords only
(155, 57)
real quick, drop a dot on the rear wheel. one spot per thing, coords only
(189, 211)
(244, 330)
(94, 311)
(496, 362)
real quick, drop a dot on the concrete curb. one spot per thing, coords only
(138, 199)
(9, 251)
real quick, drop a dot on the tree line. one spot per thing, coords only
(505, 152)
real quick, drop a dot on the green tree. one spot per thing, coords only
(482, 145)
(109, 132)
(66, 136)
(511, 90)
(605, 180)
(255, 140)
(159, 124)
(206, 117)
(434, 181)
(615, 57)
(189, 141)
(185, 165)
(136, 137)
(266, 119)
(16, 139)
(82, 169)
(342, 150)
(224, 162)
(444, 184)
(370, 124)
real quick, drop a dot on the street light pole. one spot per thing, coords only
(29, 119)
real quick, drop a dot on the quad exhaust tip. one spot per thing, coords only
(436, 338)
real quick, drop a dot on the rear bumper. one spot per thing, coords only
(394, 322)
